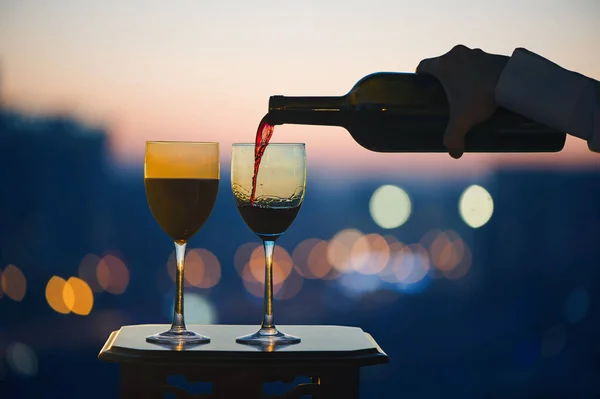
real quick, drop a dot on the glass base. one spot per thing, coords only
(177, 337)
(267, 337)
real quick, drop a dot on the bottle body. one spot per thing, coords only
(406, 112)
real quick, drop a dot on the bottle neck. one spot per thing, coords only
(306, 110)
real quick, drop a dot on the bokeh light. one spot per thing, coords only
(476, 206)
(112, 274)
(390, 206)
(13, 283)
(411, 264)
(356, 284)
(198, 309)
(202, 268)
(252, 285)
(463, 267)
(370, 254)
(388, 274)
(87, 271)
(338, 251)
(22, 359)
(290, 287)
(282, 264)
(429, 237)
(1, 291)
(55, 293)
(212, 268)
(194, 268)
(300, 256)
(242, 255)
(446, 251)
(390, 239)
(318, 263)
(287, 282)
(79, 299)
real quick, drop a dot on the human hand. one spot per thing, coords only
(469, 77)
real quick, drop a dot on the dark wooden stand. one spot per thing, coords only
(330, 356)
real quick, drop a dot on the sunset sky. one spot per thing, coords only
(203, 70)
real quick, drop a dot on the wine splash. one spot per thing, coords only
(263, 136)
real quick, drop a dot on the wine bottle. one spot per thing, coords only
(408, 112)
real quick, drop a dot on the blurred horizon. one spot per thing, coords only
(204, 71)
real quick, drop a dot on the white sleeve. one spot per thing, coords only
(540, 90)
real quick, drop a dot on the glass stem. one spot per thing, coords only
(178, 321)
(268, 297)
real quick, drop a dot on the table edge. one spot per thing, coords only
(373, 355)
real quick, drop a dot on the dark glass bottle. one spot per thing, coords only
(407, 112)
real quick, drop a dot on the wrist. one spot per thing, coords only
(541, 90)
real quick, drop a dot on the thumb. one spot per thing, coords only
(428, 66)
(454, 136)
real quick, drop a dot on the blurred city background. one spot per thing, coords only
(478, 277)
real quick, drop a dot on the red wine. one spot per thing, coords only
(268, 222)
(181, 206)
(406, 112)
(263, 136)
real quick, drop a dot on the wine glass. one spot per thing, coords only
(280, 184)
(181, 180)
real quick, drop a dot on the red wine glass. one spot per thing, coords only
(280, 184)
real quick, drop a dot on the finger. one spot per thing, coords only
(454, 136)
(460, 49)
(428, 66)
(455, 154)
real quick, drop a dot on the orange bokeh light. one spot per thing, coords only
(112, 274)
(254, 288)
(55, 293)
(300, 257)
(429, 237)
(317, 262)
(242, 255)
(13, 283)
(290, 287)
(74, 295)
(79, 299)
(446, 251)
(194, 270)
(282, 264)
(340, 245)
(212, 268)
(202, 268)
(370, 254)
(463, 266)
